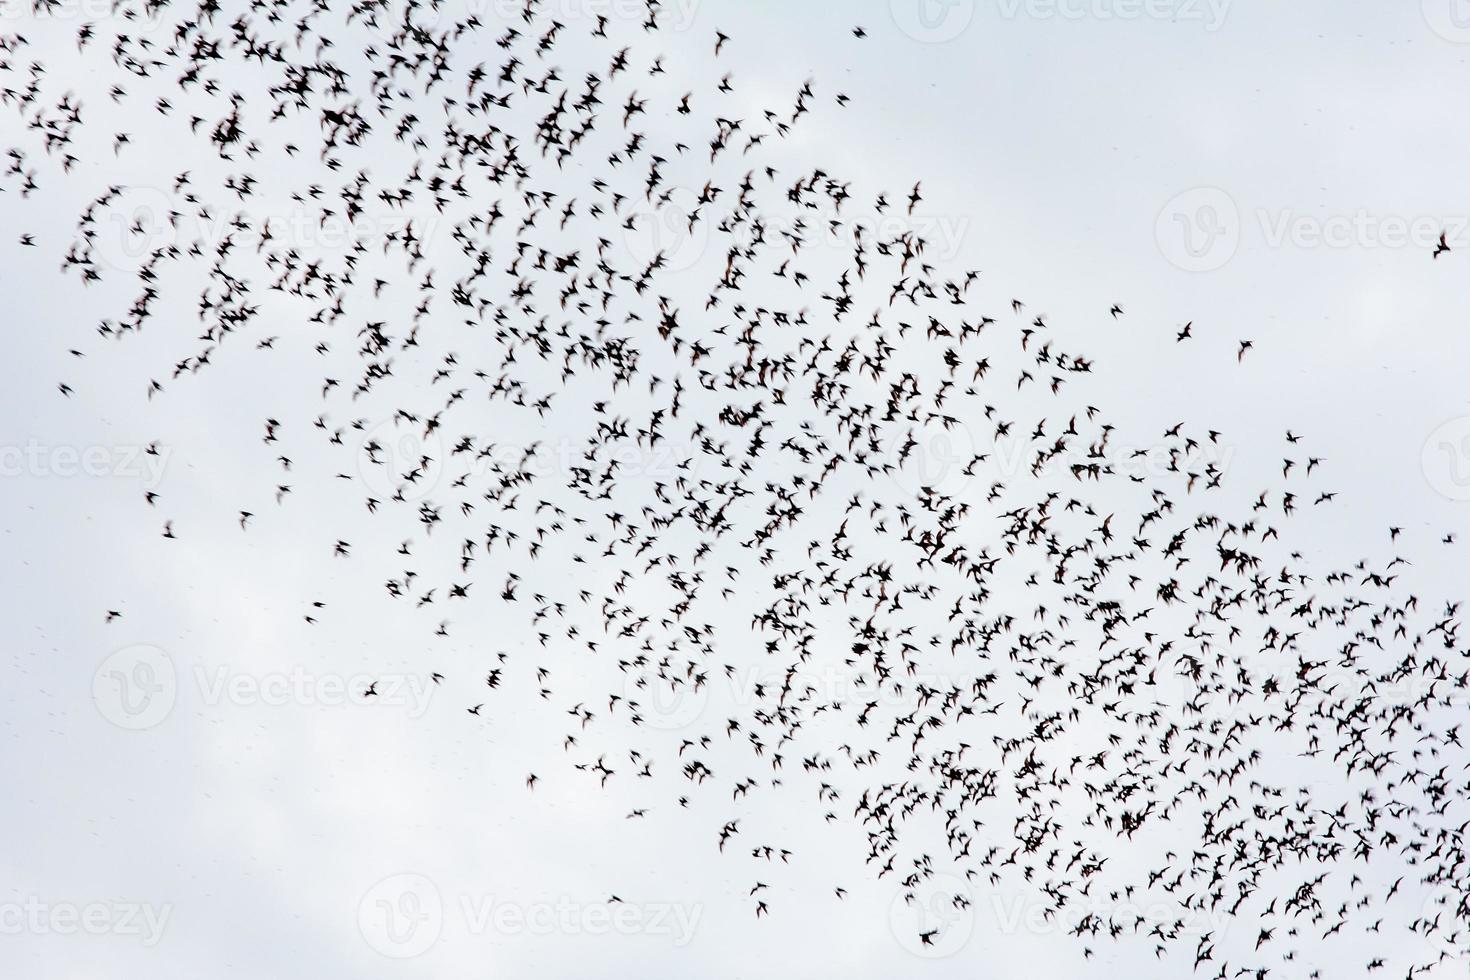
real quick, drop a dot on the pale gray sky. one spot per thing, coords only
(1278, 172)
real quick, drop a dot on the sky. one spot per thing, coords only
(193, 790)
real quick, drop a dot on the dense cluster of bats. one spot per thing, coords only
(588, 348)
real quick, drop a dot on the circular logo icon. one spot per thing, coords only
(1446, 459)
(136, 223)
(1193, 702)
(935, 918)
(1450, 909)
(141, 18)
(932, 21)
(673, 231)
(148, 17)
(421, 23)
(1450, 19)
(1199, 230)
(401, 916)
(663, 703)
(401, 457)
(136, 687)
(938, 455)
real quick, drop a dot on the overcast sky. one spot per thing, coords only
(1271, 171)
